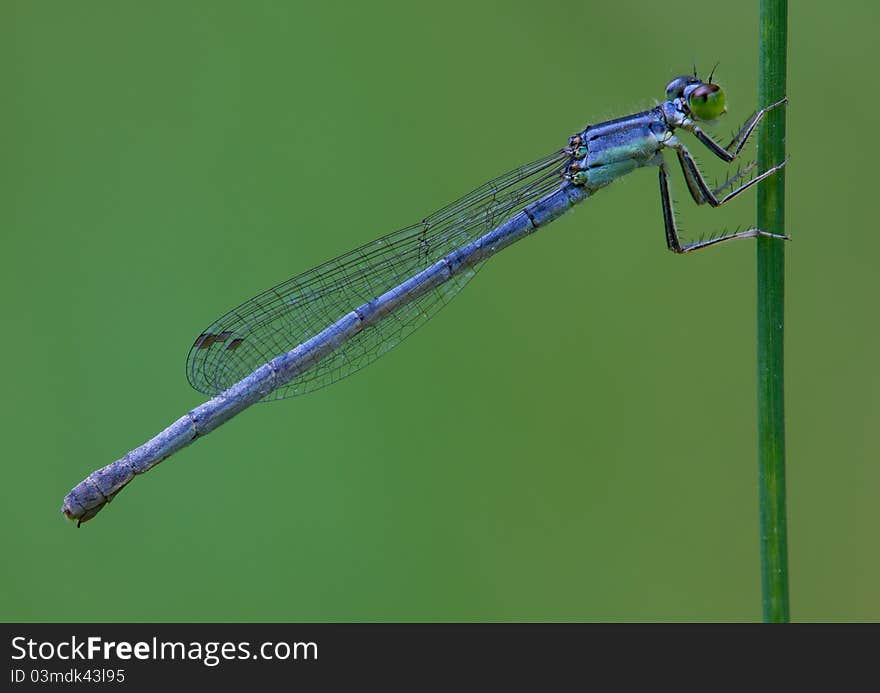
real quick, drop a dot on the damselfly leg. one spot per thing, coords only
(672, 238)
(699, 188)
(730, 152)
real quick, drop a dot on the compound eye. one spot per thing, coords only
(675, 89)
(707, 102)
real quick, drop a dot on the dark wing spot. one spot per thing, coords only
(204, 340)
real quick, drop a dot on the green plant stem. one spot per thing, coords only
(771, 315)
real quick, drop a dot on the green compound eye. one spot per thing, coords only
(707, 102)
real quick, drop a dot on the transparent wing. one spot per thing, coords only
(286, 315)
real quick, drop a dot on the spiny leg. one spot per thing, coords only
(741, 173)
(673, 242)
(699, 187)
(730, 152)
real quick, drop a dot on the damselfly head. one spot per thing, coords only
(704, 100)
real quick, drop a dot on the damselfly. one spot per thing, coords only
(331, 321)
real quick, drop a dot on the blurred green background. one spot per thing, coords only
(574, 439)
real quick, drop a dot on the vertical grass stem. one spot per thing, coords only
(771, 316)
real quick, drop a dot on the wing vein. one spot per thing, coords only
(289, 313)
